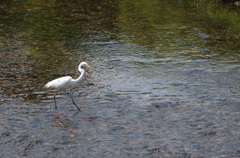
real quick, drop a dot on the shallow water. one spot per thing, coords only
(164, 80)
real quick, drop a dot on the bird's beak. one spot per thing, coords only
(88, 66)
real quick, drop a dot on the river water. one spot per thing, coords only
(164, 82)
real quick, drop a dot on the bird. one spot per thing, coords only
(67, 82)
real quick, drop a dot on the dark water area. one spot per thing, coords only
(164, 82)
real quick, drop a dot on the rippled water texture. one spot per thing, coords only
(164, 82)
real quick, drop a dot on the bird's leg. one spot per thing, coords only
(55, 101)
(73, 100)
(75, 103)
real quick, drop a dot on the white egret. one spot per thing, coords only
(67, 82)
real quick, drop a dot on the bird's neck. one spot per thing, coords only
(80, 77)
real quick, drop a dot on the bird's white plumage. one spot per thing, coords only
(59, 83)
(66, 81)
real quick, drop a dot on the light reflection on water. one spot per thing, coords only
(151, 79)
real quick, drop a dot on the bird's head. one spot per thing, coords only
(83, 64)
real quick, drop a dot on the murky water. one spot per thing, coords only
(165, 80)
